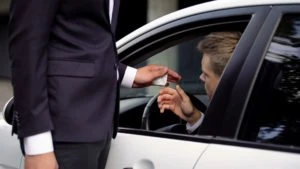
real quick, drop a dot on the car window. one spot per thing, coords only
(6, 91)
(272, 115)
(183, 58)
(179, 53)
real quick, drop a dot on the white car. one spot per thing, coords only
(253, 120)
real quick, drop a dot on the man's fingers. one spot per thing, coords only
(167, 90)
(172, 107)
(168, 106)
(173, 76)
(165, 107)
(160, 104)
(155, 68)
(181, 93)
(161, 108)
(158, 71)
(164, 97)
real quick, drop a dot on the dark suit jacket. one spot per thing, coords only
(64, 65)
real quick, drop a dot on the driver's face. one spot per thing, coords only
(210, 79)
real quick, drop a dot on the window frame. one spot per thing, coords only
(251, 68)
(257, 16)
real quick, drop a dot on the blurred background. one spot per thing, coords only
(133, 14)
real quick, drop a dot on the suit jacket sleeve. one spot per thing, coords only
(30, 26)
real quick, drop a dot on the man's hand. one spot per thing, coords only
(178, 102)
(43, 161)
(147, 74)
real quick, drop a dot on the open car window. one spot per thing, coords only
(177, 50)
(183, 58)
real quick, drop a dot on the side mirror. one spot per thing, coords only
(8, 111)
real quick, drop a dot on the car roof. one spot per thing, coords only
(200, 8)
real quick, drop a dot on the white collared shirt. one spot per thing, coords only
(191, 128)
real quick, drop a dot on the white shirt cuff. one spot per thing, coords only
(191, 128)
(129, 77)
(38, 144)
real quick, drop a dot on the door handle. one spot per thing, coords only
(142, 164)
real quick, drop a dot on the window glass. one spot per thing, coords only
(183, 58)
(273, 112)
(6, 91)
(181, 54)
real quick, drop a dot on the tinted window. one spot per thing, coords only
(273, 111)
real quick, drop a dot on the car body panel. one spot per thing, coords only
(10, 156)
(233, 157)
(161, 152)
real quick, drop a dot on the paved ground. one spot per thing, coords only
(5, 92)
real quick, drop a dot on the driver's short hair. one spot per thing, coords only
(219, 46)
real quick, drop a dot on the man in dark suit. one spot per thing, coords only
(66, 77)
(217, 48)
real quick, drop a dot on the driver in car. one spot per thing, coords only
(217, 48)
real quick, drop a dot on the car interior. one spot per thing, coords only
(178, 52)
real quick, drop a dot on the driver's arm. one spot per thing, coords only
(180, 103)
(196, 122)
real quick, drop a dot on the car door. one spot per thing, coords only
(261, 128)
(135, 147)
(10, 153)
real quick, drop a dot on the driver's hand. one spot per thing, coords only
(178, 102)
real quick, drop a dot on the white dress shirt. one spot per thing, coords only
(42, 143)
(191, 128)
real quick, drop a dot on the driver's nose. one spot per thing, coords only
(202, 77)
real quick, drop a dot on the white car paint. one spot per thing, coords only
(158, 155)
(233, 157)
(10, 153)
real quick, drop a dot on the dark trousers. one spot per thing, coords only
(82, 155)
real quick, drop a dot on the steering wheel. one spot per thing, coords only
(151, 109)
